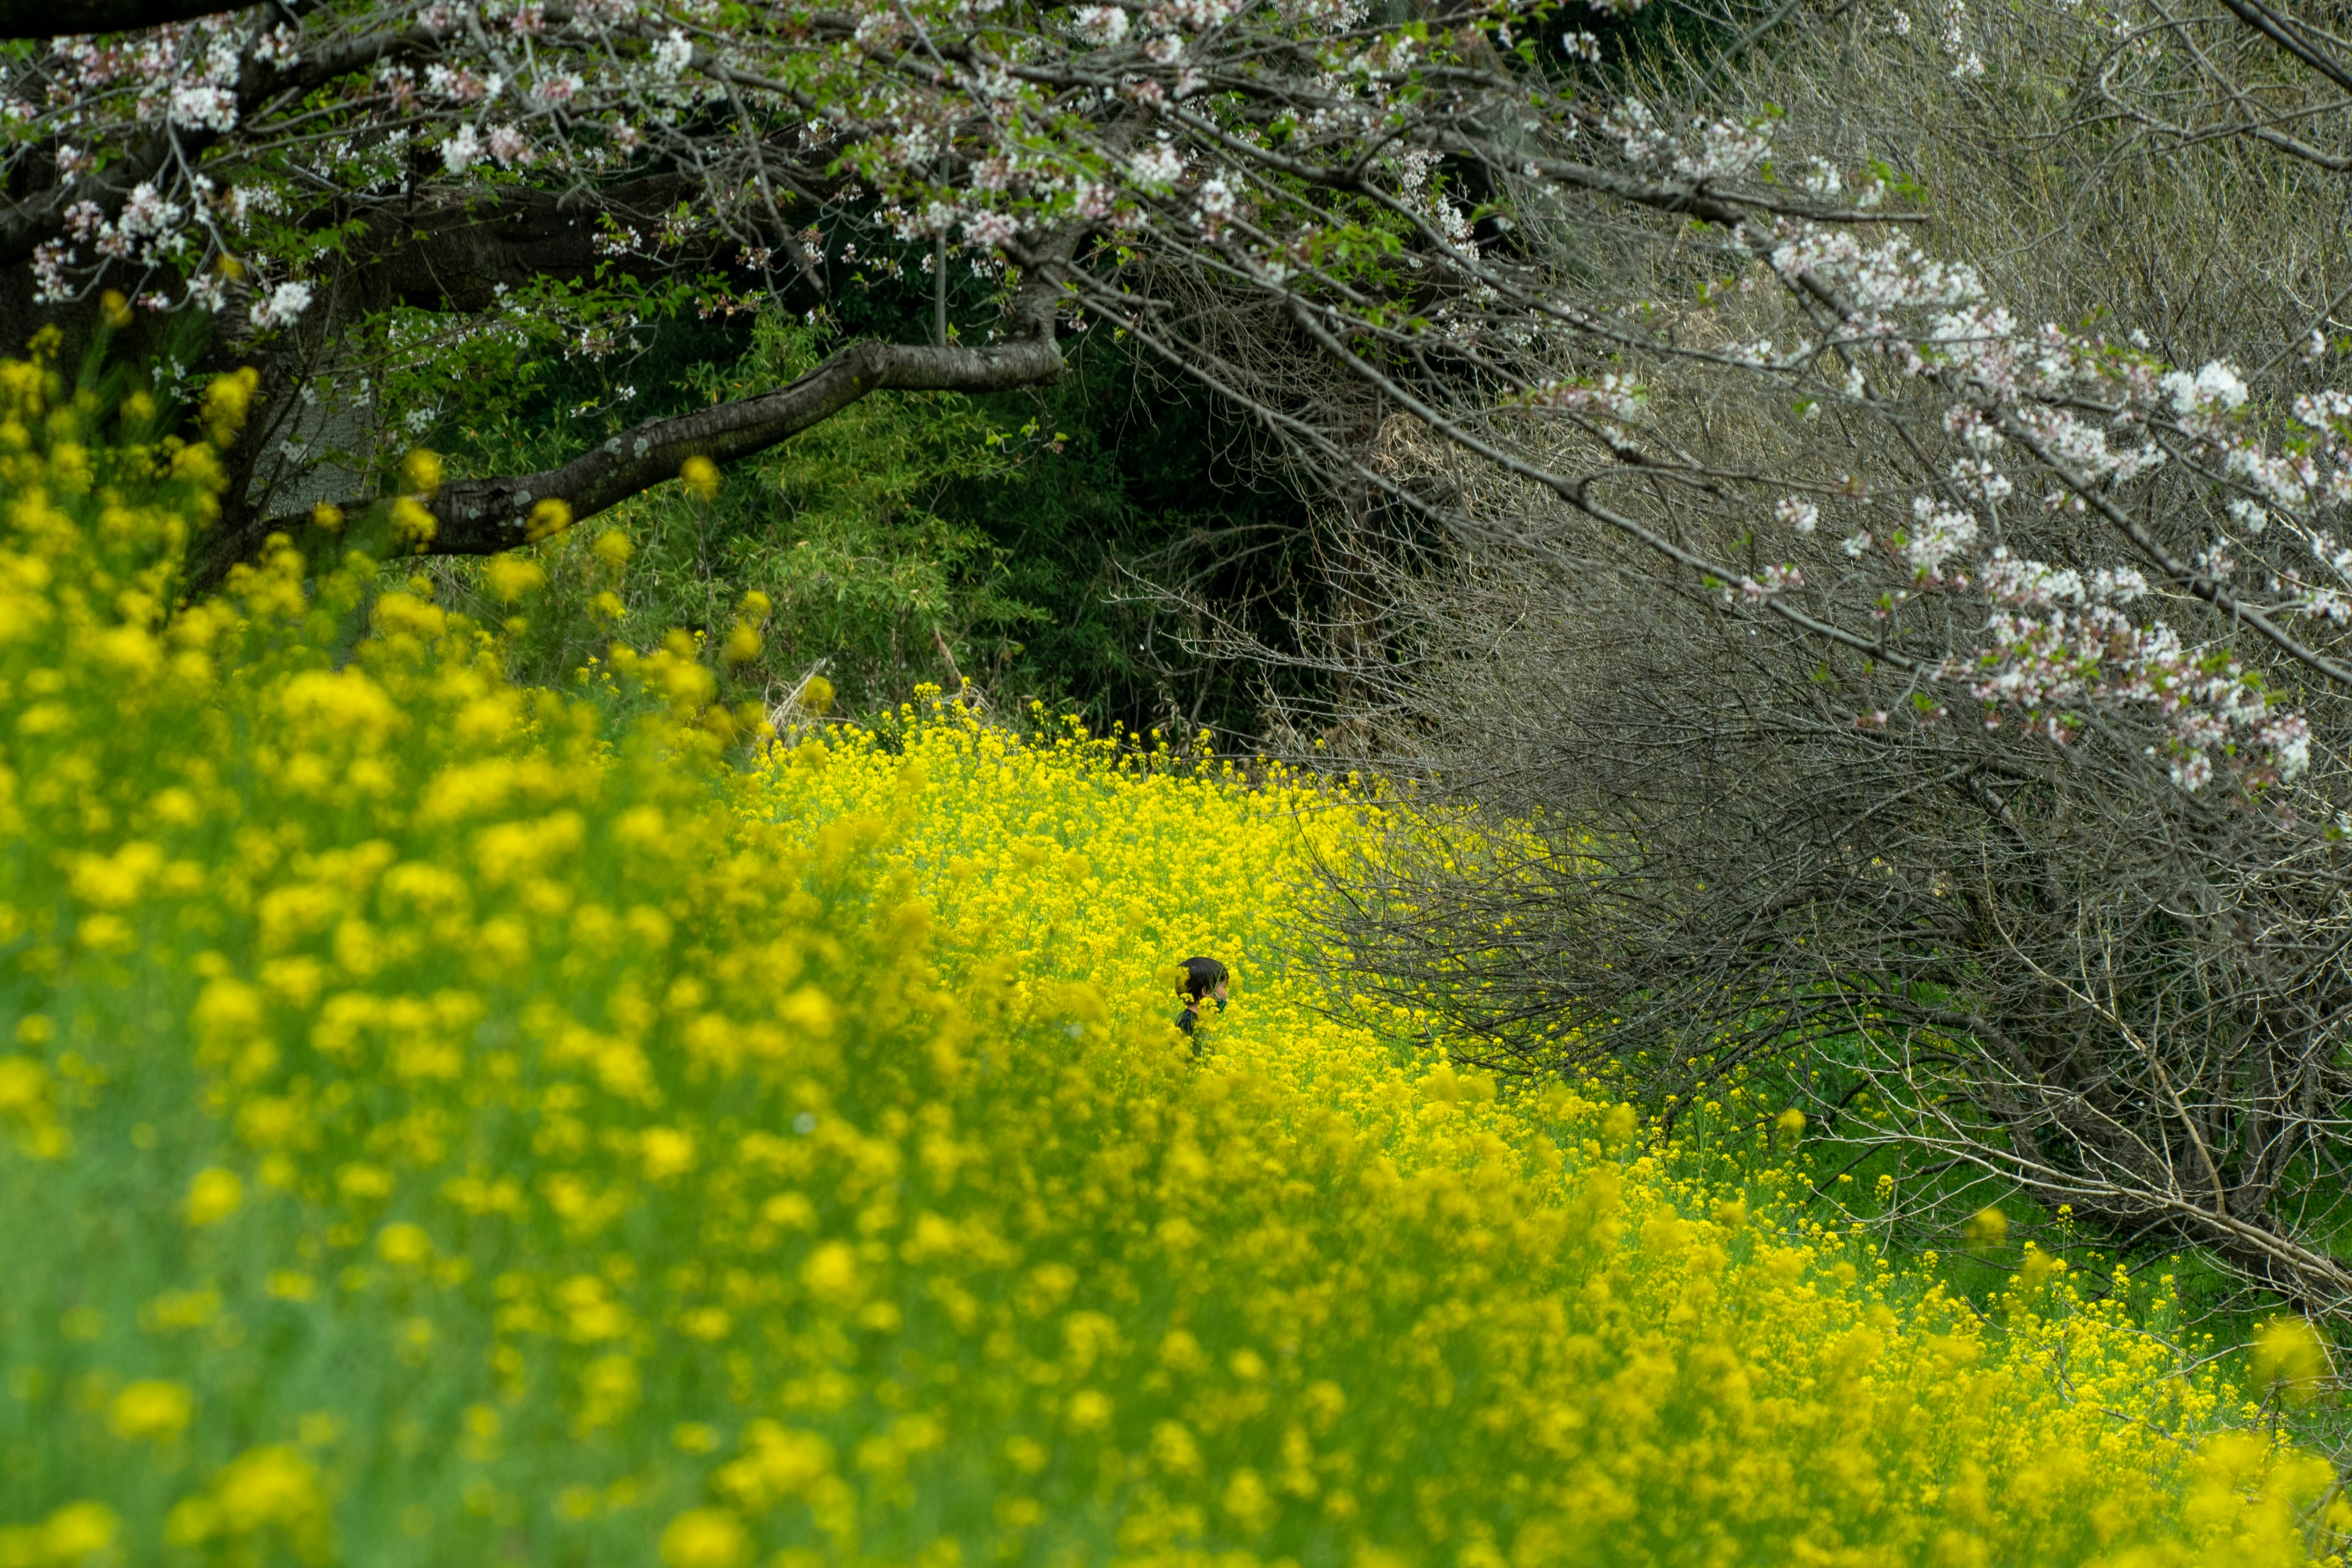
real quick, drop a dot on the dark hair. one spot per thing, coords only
(1201, 976)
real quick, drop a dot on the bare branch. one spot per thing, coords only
(483, 517)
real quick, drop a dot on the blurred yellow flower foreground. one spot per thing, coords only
(444, 1127)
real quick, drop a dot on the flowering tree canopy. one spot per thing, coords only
(1411, 203)
(301, 172)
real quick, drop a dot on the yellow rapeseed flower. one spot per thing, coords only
(700, 476)
(798, 1163)
(549, 517)
(2289, 1354)
(212, 1195)
(705, 1538)
(511, 578)
(151, 1410)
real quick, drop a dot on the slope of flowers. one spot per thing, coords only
(440, 1128)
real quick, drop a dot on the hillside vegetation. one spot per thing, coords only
(447, 1123)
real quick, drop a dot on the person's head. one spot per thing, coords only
(1205, 977)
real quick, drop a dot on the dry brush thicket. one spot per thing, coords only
(1849, 703)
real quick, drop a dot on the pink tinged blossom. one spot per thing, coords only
(1969, 423)
(1101, 25)
(2092, 653)
(2214, 386)
(1618, 396)
(2116, 585)
(672, 55)
(2287, 738)
(463, 150)
(510, 147)
(279, 46)
(203, 109)
(1216, 202)
(1727, 149)
(1157, 167)
(2336, 557)
(456, 86)
(1800, 515)
(147, 215)
(50, 259)
(1977, 478)
(1774, 580)
(1197, 14)
(2285, 479)
(1638, 134)
(285, 303)
(990, 229)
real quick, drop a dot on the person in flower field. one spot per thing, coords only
(1203, 980)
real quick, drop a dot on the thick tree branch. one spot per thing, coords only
(483, 517)
(2284, 34)
(62, 18)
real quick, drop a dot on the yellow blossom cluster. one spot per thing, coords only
(446, 1124)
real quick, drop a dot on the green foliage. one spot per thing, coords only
(838, 529)
(912, 538)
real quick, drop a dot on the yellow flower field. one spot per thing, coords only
(446, 1125)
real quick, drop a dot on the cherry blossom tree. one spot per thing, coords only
(1394, 197)
(301, 171)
